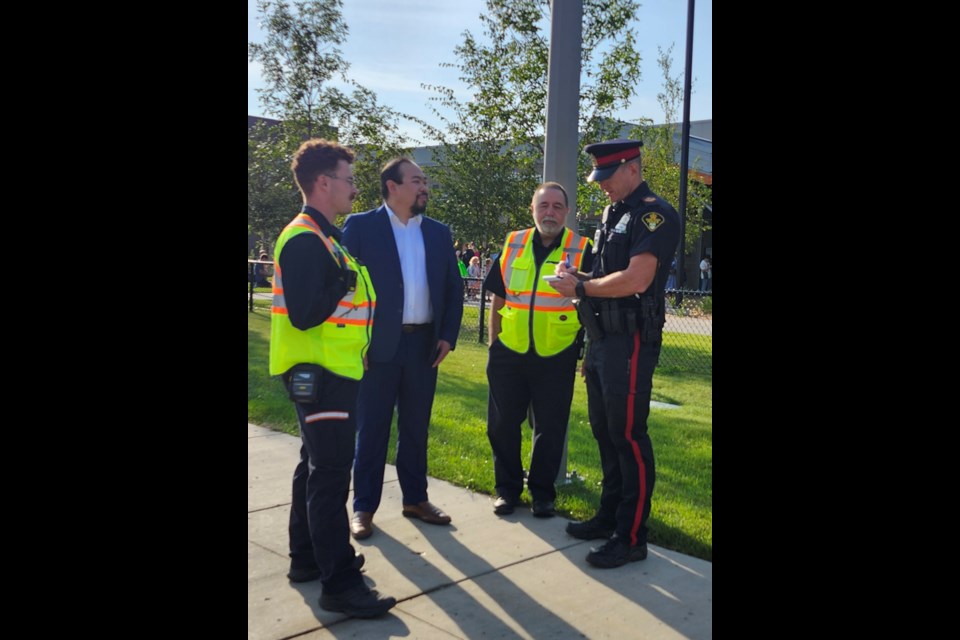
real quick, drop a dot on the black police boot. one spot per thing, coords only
(543, 508)
(359, 602)
(308, 574)
(303, 574)
(504, 505)
(615, 552)
(591, 529)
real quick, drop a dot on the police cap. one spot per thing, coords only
(609, 155)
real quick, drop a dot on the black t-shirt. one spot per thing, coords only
(642, 222)
(494, 279)
(313, 283)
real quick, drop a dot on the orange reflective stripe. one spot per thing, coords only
(356, 306)
(280, 310)
(303, 221)
(551, 309)
(582, 249)
(505, 258)
(523, 242)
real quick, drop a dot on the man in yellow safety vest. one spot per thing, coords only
(321, 321)
(535, 340)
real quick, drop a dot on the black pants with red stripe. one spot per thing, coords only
(319, 528)
(619, 372)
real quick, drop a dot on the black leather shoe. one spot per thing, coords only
(303, 575)
(616, 553)
(504, 506)
(358, 602)
(542, 508)
(312, 573)
(591, 529)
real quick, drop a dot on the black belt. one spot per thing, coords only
(410, 328)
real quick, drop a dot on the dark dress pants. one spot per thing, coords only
(619, 378)
(517, 381)
(407, 382)
(319, 529)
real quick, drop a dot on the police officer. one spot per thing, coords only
(320, 327)
(533, 351)
(621, 304)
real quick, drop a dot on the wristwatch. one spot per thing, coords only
(579, 290)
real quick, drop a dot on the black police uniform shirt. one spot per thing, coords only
(640, 223)
(312, 283)
(494, 280)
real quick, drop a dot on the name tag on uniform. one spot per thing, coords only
(622, 224)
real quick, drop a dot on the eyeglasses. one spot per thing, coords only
(349, 180)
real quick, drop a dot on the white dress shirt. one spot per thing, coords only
(413, 265)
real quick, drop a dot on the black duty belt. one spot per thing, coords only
(410, 328)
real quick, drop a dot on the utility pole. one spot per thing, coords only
(561, 148)
(685, 147)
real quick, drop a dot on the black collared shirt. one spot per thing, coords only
(653, 226)
(312, 281)
(494, 279)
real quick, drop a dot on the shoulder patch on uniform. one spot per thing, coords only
(652, 220)
(649, 199)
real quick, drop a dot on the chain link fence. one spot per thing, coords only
(687, 333)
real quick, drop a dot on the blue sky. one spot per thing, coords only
(394, 47)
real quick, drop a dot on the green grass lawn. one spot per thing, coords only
(459, 452)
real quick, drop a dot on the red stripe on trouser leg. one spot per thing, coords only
(634, 446)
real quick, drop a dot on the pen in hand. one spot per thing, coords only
(563, 266)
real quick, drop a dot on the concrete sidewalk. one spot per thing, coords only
(482, 576)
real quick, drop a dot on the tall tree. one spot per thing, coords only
(484, 189)
(661, 168)
(499, 129)
(300, 61)
(270, 199)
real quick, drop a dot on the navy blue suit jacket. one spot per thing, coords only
(369, 237)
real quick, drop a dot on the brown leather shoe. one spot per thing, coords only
(361, 526)
(426, 512)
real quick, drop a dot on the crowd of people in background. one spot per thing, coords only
(474, 267)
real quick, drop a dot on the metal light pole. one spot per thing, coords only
(561, 147)
(685, 145)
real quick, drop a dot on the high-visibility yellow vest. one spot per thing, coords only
(339, 343)
(554, 322)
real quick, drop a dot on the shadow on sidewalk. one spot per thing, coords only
(524, 610)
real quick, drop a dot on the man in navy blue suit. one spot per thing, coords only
(414, 270)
